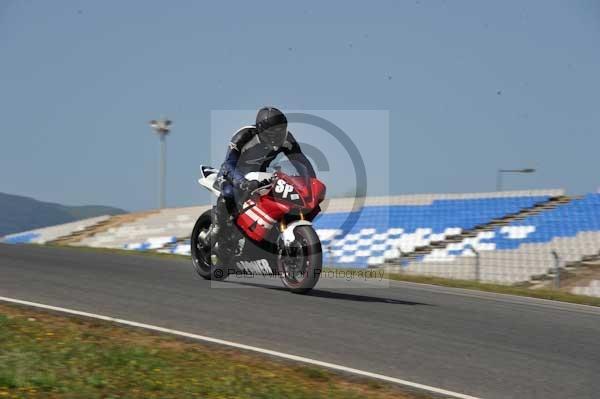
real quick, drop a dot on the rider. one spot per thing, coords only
(252, 149)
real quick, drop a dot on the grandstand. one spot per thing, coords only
(524, 247)
(154, 231)
(49, 234)
(505, 237)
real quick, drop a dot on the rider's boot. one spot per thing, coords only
(221, 223)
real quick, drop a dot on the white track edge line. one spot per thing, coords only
(244, 347)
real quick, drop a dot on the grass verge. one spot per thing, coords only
(550, 294)
(45, 355)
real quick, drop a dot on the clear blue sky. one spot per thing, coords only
(471, 86)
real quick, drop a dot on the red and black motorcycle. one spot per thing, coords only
(272, 232)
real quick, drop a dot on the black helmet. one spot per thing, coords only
(271, 124)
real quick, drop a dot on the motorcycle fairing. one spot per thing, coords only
(258, 218)
(208, 179)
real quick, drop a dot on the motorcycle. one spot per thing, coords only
(271, 234)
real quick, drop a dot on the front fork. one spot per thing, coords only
(289, 247)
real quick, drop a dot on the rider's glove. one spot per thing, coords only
(249, 185)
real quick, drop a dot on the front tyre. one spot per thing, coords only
(300, 263)
(201, 250)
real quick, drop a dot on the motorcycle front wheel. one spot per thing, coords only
(201, 251)
(300, 263)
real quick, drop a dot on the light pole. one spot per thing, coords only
(162, 127)
(499, 173)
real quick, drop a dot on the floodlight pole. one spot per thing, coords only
(500, 172)
(163, 170)
(162, 128)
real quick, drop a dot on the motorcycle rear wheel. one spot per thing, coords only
(201, 251)
(306, 263)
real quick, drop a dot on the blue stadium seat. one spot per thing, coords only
(406, 227)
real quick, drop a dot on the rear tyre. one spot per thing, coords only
(201, 251)
(300, 263)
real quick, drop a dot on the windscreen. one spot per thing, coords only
(298, 172)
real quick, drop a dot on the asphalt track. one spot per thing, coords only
(480, 344)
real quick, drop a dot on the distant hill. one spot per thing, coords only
(19, 213)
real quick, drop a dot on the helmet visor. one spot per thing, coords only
(274, 136)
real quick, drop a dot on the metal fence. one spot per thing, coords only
(545, 266)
